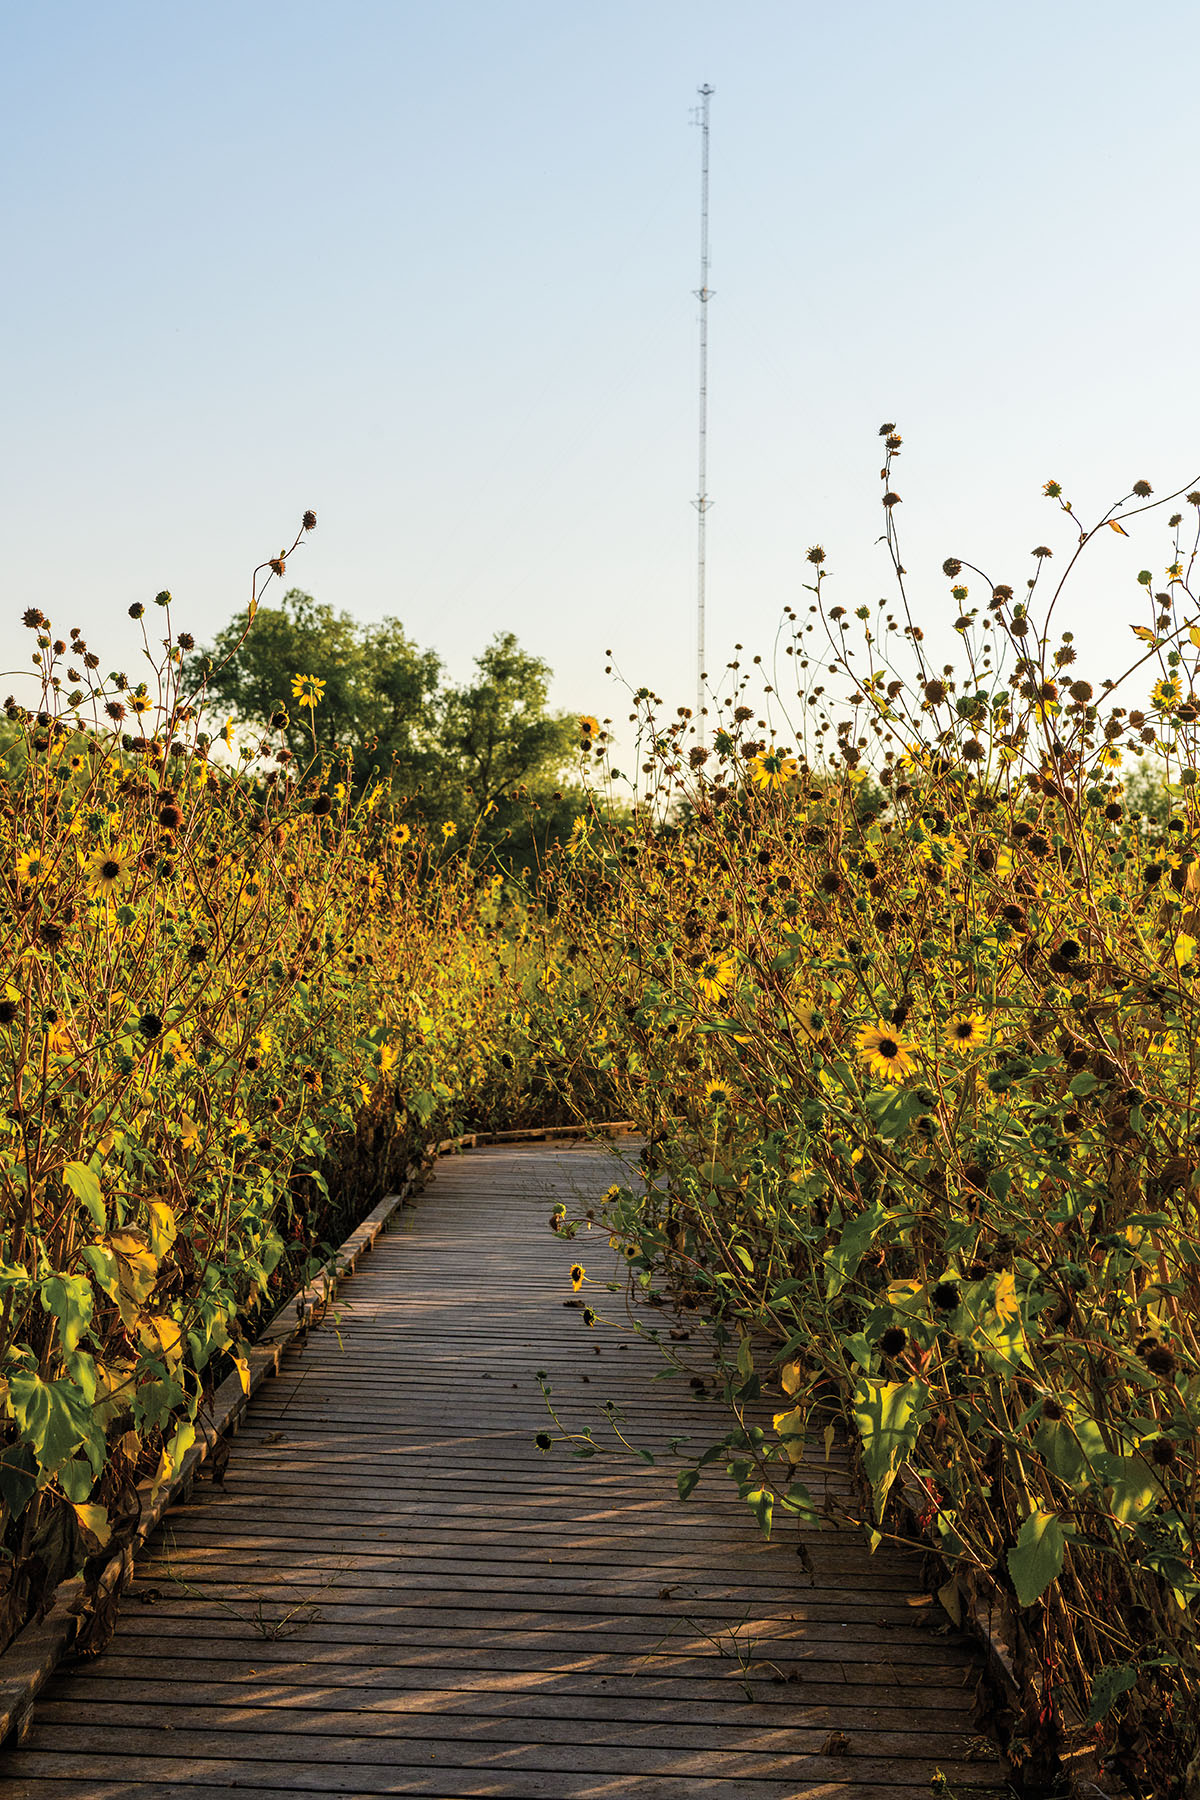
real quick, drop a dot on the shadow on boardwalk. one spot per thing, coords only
(397, 1593)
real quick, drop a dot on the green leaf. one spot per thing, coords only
(762, 1504)
(1036, 1558)
(18, 1477)
(685, 1481)
(1083, 1084)
(1111, 1682)
(844, 1258)
(86, 1188)
(69, 1298)
(53, 1417)
(889, 1416)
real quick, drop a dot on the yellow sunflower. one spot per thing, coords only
(449, 829)
(715, 977)
(588, 727)
(108, 871)
(885, 1052)
(577, 1276)
(31, 866)
(307, 689)
(718, 1093)
(401, 835)
(967, 1031)
(1165, 694)
(773, 768)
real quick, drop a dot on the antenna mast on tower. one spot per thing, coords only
(702, 501)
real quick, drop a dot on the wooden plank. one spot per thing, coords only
(395, 1592)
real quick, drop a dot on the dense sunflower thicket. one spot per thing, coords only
(235, 1006)
(916, 1055)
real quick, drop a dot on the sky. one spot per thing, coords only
(430, 270)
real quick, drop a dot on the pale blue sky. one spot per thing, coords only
(428, 269)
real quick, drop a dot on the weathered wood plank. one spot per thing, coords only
(397, 1593)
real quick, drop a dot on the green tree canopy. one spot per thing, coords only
(458, 751)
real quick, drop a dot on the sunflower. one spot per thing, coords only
(108, 871)
(718, 1093)
(588, 727)
(810, 1021)
(31, 866)
(449, 829)
(307, 689)
(885, 1053)
(577, 1276)
(401, 835)
(1165, 694)
(966, 1031)
(773, 768)
(715, 977)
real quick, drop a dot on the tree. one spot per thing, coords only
(459, 752)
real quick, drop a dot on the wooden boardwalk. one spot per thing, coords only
(395, 1592)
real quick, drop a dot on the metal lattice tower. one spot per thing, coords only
(702, 502)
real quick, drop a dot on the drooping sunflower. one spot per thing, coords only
(715, 977)
(307, 689)
(577, 1276)
(108, 871)
(885, 1052)
(773, 769)
(966, 1031)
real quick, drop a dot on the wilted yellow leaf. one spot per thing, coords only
(790, 1426)
(1113, 526)
(161, 1335)
(1144, 632)
(163, 1230)
(93, 1522)
(791, 1376)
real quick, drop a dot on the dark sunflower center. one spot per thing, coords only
(888, 1047)
(110, 869)
(964, 1030)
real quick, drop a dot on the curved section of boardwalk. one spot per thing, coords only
(395, 1592)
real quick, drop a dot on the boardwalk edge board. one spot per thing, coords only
(34, 1654)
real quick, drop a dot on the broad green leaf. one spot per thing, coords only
(762, 1504)
(1109, 1684)
(1036, 1558)
(889, 1416)
(53, 1417)
(69, 1298)
(685, 1481)
(843, 1260)
(85, 1186)
(1135, 1491)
